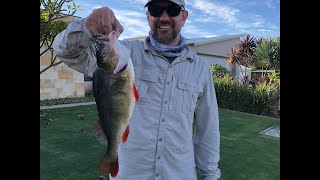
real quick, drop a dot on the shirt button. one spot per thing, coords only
(158, 157)
(163, 120)
(168, 83)
(160, 139)
(165, 102)
(157, 174)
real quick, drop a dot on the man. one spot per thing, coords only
(175, 87)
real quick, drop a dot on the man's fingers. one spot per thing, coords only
(103, 37)
(117, 27)
(91, 28)
(105, 18)
(103, 21)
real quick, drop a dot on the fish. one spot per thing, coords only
(115, 94)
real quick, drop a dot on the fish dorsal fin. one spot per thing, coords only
(135, 91)
(97, 129)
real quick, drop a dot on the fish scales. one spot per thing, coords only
(115, 95)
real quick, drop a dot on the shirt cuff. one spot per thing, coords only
(212, 176)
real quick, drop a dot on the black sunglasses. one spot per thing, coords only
(172, 11)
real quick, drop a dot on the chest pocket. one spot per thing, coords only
(186, 95)
(145, 80)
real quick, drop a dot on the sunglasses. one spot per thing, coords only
(172, 11)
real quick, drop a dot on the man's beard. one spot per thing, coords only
(165, 38)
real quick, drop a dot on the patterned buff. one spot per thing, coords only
(168, 51)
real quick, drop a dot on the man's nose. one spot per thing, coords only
(164, 16)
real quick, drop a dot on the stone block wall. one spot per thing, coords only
(59, 81)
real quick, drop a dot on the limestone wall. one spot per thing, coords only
(59, 81)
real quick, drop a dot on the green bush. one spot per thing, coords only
(220, 71)
(261, 100)
(50, 102)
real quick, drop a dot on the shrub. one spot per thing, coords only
(220, 71)
(261, 100)
(50, 102)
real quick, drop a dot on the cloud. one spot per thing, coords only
(230, 18)
(96, 6)
(134, 23)
(269, 4)
(138, 1)
(258, 21)
(264, 30)
(190, 31)
(216, 12)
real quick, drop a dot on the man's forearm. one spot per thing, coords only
(74, 46)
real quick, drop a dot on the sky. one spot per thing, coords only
(207, 18)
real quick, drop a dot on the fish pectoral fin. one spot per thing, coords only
(125, 135)
(97, 129)
(135, 91)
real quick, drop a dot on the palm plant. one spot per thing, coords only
(242, 54)
(267, 54)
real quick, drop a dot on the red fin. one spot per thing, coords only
(125, 135)
(113, 169)
(135, 91)
(102, 167)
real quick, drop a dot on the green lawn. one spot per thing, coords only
(69, 150)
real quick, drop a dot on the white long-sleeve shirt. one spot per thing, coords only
(161, 143)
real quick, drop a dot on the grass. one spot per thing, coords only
(69, 150)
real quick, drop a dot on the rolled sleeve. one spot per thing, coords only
(74, 46)
(207, 133)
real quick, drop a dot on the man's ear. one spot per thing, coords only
(184, 16)
(148, 15)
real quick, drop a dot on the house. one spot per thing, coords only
(215, 49)
(61, 81)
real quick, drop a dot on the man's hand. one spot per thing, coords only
(103, 21)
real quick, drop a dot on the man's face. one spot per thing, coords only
(165, 28)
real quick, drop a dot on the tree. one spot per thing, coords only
(52, 21)
(267, 54)
(242, 54)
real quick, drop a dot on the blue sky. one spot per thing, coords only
(207, 18)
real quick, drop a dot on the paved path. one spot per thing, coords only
(67, 105)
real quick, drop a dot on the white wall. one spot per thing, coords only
(59, 81)
(215, 60)
(241, 72)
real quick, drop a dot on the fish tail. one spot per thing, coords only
(125, 135)
(102, 167)
(106, 166)
(113, 168)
